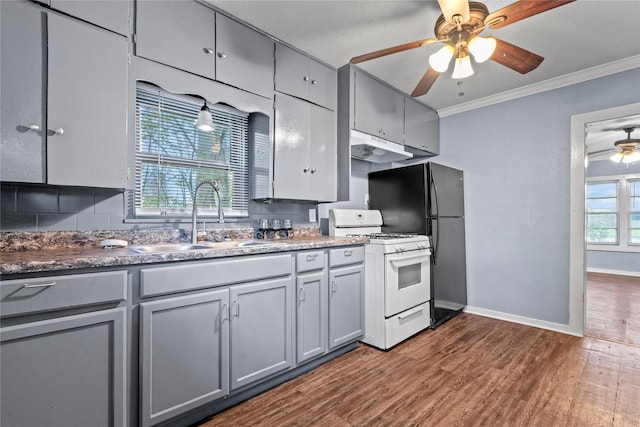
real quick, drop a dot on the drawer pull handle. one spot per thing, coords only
(348, 252)
(40, 285)
(303, 296)
(312, 257)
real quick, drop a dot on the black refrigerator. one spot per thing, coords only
(428, 199)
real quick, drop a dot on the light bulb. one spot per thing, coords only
(482, 48)
(462, 68)
(617, 157)
(439, 61)
(205, 122)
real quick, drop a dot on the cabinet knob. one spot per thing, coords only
(305, 170)
(208, 51)
(313, 82)
(426, 146)
(379, 130)
(33, 127)
(313, 170)
(222, 55)
(305, 78)
(58, 131)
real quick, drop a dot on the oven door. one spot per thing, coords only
(407, 281)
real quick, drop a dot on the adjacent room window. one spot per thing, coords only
(634, 212)
(602, 213)
(173, 156)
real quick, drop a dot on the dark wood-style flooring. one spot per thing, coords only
(472, 371)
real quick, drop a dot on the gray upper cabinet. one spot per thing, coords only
(177, 33)
(84, 136)
(421, 129)
(110, 14)
(261, 332)
(302, 77)
(86, 105)
(305, 156)
(181, 371)
(67, 371)
(379, 109)
(244, 57)
(22, 115)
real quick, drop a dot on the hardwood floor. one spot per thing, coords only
(471, 371)
(613, 307)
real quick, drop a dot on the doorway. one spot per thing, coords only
(577, 264)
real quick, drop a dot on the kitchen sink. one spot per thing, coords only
(182, 247)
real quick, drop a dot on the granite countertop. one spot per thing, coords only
(65, 258)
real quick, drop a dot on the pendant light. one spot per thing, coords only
(205, 121)
(462, 68)
(439, 61)
(482, 48)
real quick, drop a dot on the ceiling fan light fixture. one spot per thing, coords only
(462, 68)
(631, 157)
(482, 48)
(205, 121)
(617, 158)
(439, 61)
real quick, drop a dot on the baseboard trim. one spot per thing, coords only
(616, 272)
(536, 323)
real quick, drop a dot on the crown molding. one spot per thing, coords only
(555, 83)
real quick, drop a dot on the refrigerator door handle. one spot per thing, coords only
(435, 237)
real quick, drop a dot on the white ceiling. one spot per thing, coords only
(584, 38)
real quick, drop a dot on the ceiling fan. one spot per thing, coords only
(459, 27)
(625, 150)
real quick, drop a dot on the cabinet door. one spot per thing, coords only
(244, 57)
(183, 354)
(86, 105)
(291, 153)
(110, 14)
(346, 312)
(379, 110)
(260, 330)
(68, 371)
(323, 158)
(421, 127)
(177, 33)
(311, 315)
(323, 85)
(292, 72)
(22, 151)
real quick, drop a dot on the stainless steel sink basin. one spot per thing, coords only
(170, 247)
(246, 243)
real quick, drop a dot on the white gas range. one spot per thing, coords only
(397, 277)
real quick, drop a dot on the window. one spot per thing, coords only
(173, 156)
(602, 213)
(634, 212)
(613, 213)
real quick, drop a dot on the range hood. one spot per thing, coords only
(376, 150)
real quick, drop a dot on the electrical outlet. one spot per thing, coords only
(312, 215)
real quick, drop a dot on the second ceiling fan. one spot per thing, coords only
(459, 27)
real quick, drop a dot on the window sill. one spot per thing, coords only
(613, 248)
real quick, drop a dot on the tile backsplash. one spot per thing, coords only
(26, 207)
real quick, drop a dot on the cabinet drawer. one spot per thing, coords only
(345, 256)
(57, 292)
(308, 261)
(186, 277)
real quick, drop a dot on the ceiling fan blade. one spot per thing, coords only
(450, 8)
(608, 150)
(426, 82)
(521, 10)
(391, 50)
(514, 57)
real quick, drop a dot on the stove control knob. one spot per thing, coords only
(399, 248)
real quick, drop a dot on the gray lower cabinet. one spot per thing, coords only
(261, 319)
(421, 129)
(177, 33)
(82, 132)
(67, 371)
(346, 295)
(305, 155)
(303, 77)
(244, 57)
(379, 109)
(184, 354)
(311, 315)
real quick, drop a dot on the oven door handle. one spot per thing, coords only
(403, 261)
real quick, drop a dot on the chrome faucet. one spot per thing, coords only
(194, 214)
